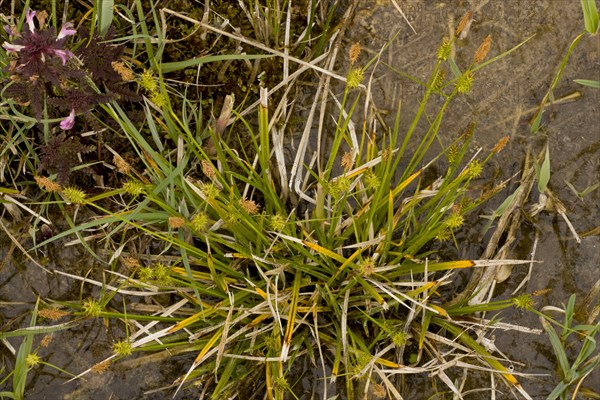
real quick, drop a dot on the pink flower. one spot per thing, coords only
(66, 30)
(34, 47)
(12, 48)
(29, 18)
(68, 122)
(64, 55)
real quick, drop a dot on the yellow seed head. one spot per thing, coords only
(452, 154)
(74, 195)
(92, 308)
(47, 184)
(339, 187)
(199, 222)
(464, 83)
(443, 235)
(277, 222)
(32, 360)
(146, 274)
(133, 188)
(162, 274)
(483, 50)
(209, 190)
(400, 338)
(523, 301)
(122, 348)
(474, 169)
(454, 221)
(159, 99)
(445, 49)
(438, 82)
(371, 180)
(367, 267)
(148, 82)
(355, 77)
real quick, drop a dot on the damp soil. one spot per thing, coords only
(502, 102)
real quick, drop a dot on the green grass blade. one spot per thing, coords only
(193, 62)
(558, 348)
(590, 15)
(544, 174)
(104, 10)
(588, 82)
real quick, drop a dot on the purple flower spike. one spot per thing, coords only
(66, 30)
(29, 18)
(68, 122)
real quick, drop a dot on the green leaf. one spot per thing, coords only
(179, 65)
(535, 125)
(588, 82)
(558, 348)
(590, 15)
(104, 9)
(544, 174)
(454, 68)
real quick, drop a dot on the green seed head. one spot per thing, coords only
(74, 195)
(122, 348)
(92, 308)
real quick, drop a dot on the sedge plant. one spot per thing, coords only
(329, 259)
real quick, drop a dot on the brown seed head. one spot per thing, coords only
(354, 53)
(47, 184)
(500, 145)
(483, 49)
(122, 165)
(46, 340)
(208, 169)
(250, 206)
(464, 25)
(52, 314)
(131, 262)
(101, 366)
(176, 222)
(123, 70)
(347, 161)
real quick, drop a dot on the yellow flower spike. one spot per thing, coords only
(32, 360)
(133, 188)
(464, 83)
(74, 195)
(122, 348)
(445, 49)
(355, 78)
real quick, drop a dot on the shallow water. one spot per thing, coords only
(502, 102)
